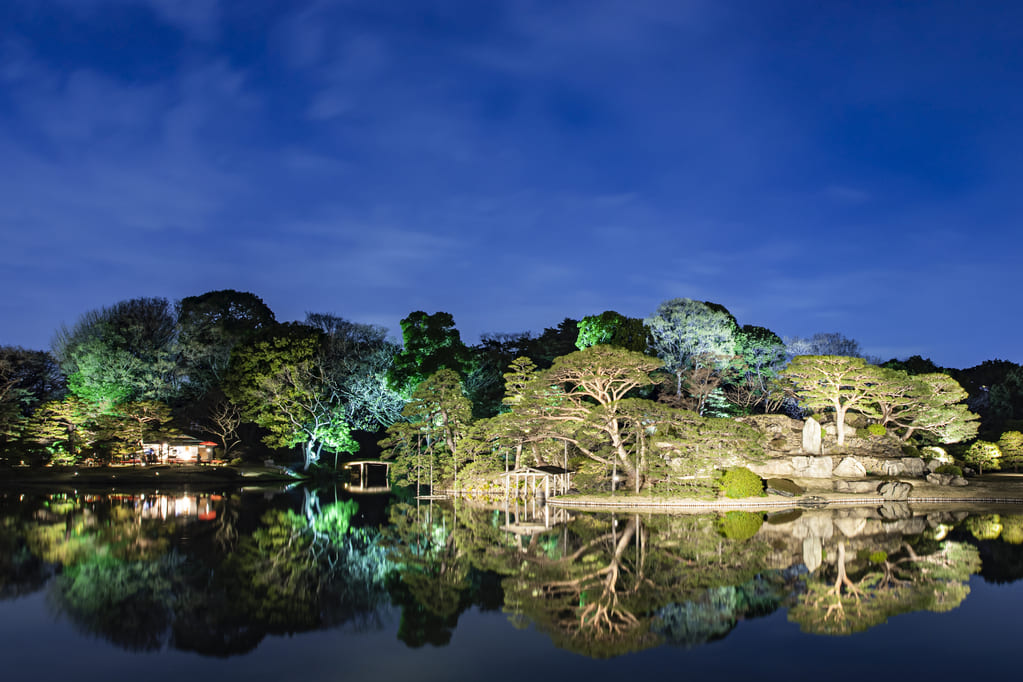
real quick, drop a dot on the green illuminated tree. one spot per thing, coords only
(278, 383)
(759, 359)
(431, 343)
(613, 329)
(126, 352)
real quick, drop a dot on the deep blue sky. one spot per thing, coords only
(813, 166)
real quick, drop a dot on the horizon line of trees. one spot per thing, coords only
(221, 364)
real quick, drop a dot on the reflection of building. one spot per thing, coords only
(185, 507)
(182, 449)
(368, 477)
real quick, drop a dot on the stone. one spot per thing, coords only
(773, 468)
(813, 553)
(893, 511)
(939, 479)
(851, 527)
(894, 490)
(812, 467)
(933, 464)
(859, 487)
(891, 467)
(812, 437)
(784, 487)
(913, 466)
(959, 481)
(850, 467)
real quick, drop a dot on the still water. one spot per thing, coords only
(318, 585)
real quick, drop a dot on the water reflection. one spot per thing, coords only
(216, 573)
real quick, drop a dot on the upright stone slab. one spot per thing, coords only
(812, 437)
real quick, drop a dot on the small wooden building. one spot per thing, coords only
(368, 477)
(180, 449)
(529, 481)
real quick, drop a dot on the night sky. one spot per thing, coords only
(813, 166)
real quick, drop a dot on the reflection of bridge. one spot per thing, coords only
(368, 477)
(532, 518)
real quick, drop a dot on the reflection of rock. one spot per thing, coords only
(812, 467)
(813, 551)
(851, 527)
(784, 487)
(850, 467)
(812, 437)
(892, 511)
(813, 524)
(843, 486)
(894, 490)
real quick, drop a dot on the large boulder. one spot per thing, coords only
(778, 467)
(850, 467)
(913, 466)
(894, 490)
(859, 487)
(812, 467)
(812, 444)
(939, 479)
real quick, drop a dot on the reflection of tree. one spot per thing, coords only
(433, 572)
(866, 591)
(129, 603)
(21, 572)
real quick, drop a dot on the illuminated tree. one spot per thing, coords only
(1011, 445)
(613, 329)
(356, 359)
(836, 382)
(932, 403)
(687, 333)
(431, 343)
(439, 415)
(126, 352)
(277, 383)
(27, 379)
(983, 453)
(830, 343)
(759, 358)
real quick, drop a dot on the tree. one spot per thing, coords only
(686, 333)
(431, 343)
(277, 383)
(613, 329)
(933, 403)
(983, 453)
(28, 378)
(356, 359)
(759, 358)
(587, 411)
(123, 353)
(223, 421)
(211, 325)
(831, 381)
(143, 419)
(441, 413)
(829, 343)
(1011, 445)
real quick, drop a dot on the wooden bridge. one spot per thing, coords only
(368, 477)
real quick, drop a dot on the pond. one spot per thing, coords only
(320, 585)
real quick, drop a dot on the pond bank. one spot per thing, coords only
(990, 489)
(145, 475)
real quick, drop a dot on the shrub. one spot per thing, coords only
(911, 451)
(862, 433)
(949, 469)
(983, 454)
(741, 482)
(877, 430)
(740, 525)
